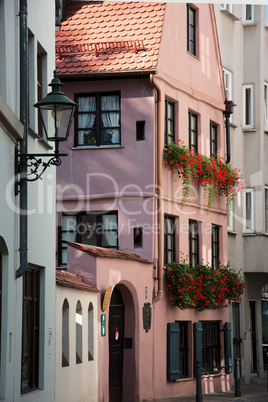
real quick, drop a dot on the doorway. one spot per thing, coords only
(116, 346)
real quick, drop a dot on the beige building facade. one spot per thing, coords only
(243, 37)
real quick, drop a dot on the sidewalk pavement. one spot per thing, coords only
(249, 392)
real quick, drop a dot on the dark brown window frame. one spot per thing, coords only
(211, 347)
(98, 127)
(192, 28)
(213, 140)
(169, 122)
(192, 131)
(167, 235)
(193, 236)
(215, 246)
(31, 297)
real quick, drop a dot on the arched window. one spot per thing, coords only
(65, 333)
(78, 333)
(90, 332)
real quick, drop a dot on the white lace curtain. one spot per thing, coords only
(86, 120)
(111, 119)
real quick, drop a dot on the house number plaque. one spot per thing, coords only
(147, 315)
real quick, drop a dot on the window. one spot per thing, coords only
(213, 140)
(40, 94)
(169, 122)
(248, 106)
(215, 245)
(228, 7)
(191, 30)
(30, 330)
(137, 234)
(98, 120)
(266, 209)
(65, 333)
(211, 357)
(169, 239)
(230, 219)
(193, 132)
(266, 106)
(248, 14)
(94, 228)
(184, 349)
(90, 332)
(228, 83)
(266, 16)
(79, 328)
(193, 243)
(140, 125)
(248, 220)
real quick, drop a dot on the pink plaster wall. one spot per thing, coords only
(194, 83)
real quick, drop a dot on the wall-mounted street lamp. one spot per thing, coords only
(53, 108)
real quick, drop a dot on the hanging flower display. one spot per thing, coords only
(202, 287)
(217, 177)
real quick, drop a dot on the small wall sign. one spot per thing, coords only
(147, 315)
(107, 296)
(103, 325)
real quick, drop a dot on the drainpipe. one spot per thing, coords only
(24, 143)
(229, 109)
(159, 191)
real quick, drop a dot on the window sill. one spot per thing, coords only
(248, 130)
(229, 14)
(232, 233)
(249, 24)
(233, 125)
(214, 375)
(193, 55)
(40, 139)
(249, 234)
(184, 379)
(80, 148)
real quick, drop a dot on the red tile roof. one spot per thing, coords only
(108, 253)
(64, 278)
(105, 36)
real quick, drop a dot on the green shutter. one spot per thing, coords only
(228, 347)
(198, 334)
(173, 345)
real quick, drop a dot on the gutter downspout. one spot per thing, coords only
(159, 190)
(24, 143)
(229, 109)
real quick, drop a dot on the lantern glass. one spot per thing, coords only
(56, 119)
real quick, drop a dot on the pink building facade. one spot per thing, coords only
(142, 74)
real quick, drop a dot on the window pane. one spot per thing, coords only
(68, 222)
(266, 210)
(109, 239)
(248, 12)
(248, 211)
(87, 104)
(248, 106)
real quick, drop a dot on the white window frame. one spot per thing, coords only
(228, 7)
(250, 124)
(252, 19)
(251, 227)
(266, 106)
(230, 219)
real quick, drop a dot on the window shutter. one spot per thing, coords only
(198, 333)
(227, 347)
(173, 344)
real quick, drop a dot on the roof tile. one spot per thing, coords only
(67, 279)
(93, 22)
(108, 253)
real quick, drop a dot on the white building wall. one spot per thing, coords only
(77, 382)
(41, 196)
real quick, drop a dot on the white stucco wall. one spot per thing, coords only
(76, 382)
